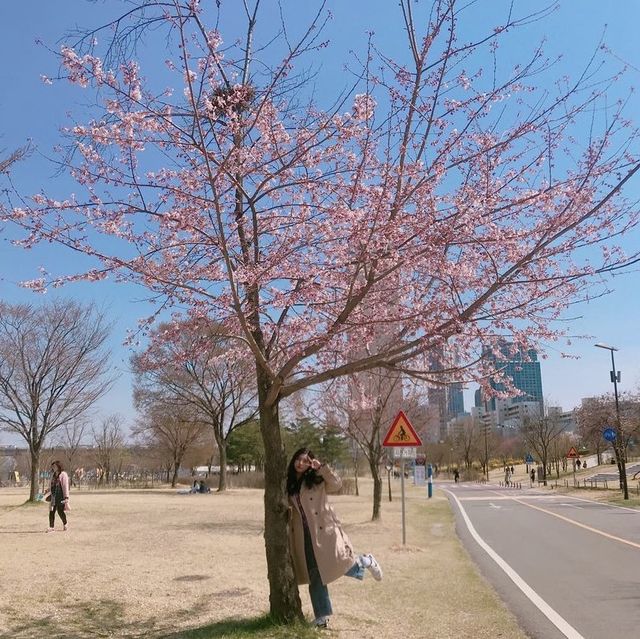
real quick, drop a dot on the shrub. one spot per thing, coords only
(245, 480)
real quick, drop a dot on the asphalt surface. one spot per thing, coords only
(566, 567)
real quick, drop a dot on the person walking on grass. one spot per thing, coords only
(320, 549)
(59, 495)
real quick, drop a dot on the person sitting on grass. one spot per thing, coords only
(320, 549)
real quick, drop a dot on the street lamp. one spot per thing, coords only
(617, 444)
(486, 446)
(615, 376)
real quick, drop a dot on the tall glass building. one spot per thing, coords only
(523, 370)
(455, 400)
(447, 400)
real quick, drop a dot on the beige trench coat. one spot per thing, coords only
(333, 550)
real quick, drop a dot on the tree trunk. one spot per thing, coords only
(174, 477)
(222, 479)
(377, 490)
(35, 473)
(284, 600)
(355, 468)
(622, 469)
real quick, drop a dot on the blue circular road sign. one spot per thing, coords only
(609, 434)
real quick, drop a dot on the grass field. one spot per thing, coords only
(158, 565)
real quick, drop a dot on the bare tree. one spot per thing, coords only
(109, 441)
(466, 439)
(190, 364)
(600, 413)
(559, 449)
(539, 433)
(70, 440)
(173, 427)
(53, 368)
(368, 403)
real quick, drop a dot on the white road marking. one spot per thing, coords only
(559, 622)
(603, 503)
(500, 497)
(494, 506)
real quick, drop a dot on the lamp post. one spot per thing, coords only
(617, 445)
(486, 445)
(615, 376)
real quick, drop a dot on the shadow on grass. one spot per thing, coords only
(97, 619)
(245, 629)
(106, 618)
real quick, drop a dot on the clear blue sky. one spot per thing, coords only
(31, 110)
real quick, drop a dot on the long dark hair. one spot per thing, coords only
(310, 477)
(58, 465)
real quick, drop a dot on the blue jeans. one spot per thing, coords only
(318, 592)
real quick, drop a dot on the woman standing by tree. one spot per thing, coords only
(59, 495)
(320, 549)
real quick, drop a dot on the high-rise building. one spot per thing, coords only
(477, 398)
(447, 400)
(455, 404)
(523, 370)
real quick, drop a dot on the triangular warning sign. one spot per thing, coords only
(401, 433)
(573, 453)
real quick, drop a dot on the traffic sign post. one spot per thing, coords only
(401, 436)
(573, 455)
(528, 460)
(401, 433)
(404, 453)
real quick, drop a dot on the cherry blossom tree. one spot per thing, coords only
(363, 406)
(369, 401)
(9, 159)
(441, 201)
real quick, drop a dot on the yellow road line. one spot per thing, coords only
(597, 531)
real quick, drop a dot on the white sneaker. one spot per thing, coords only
(321, 622)
(65, 527)
(50, 530)
(374, 568)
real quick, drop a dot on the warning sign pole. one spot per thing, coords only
(403, 438)
(404, 529)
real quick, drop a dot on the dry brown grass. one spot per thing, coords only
(156, 564)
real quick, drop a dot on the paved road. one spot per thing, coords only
(612, 475)
(566, 567)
